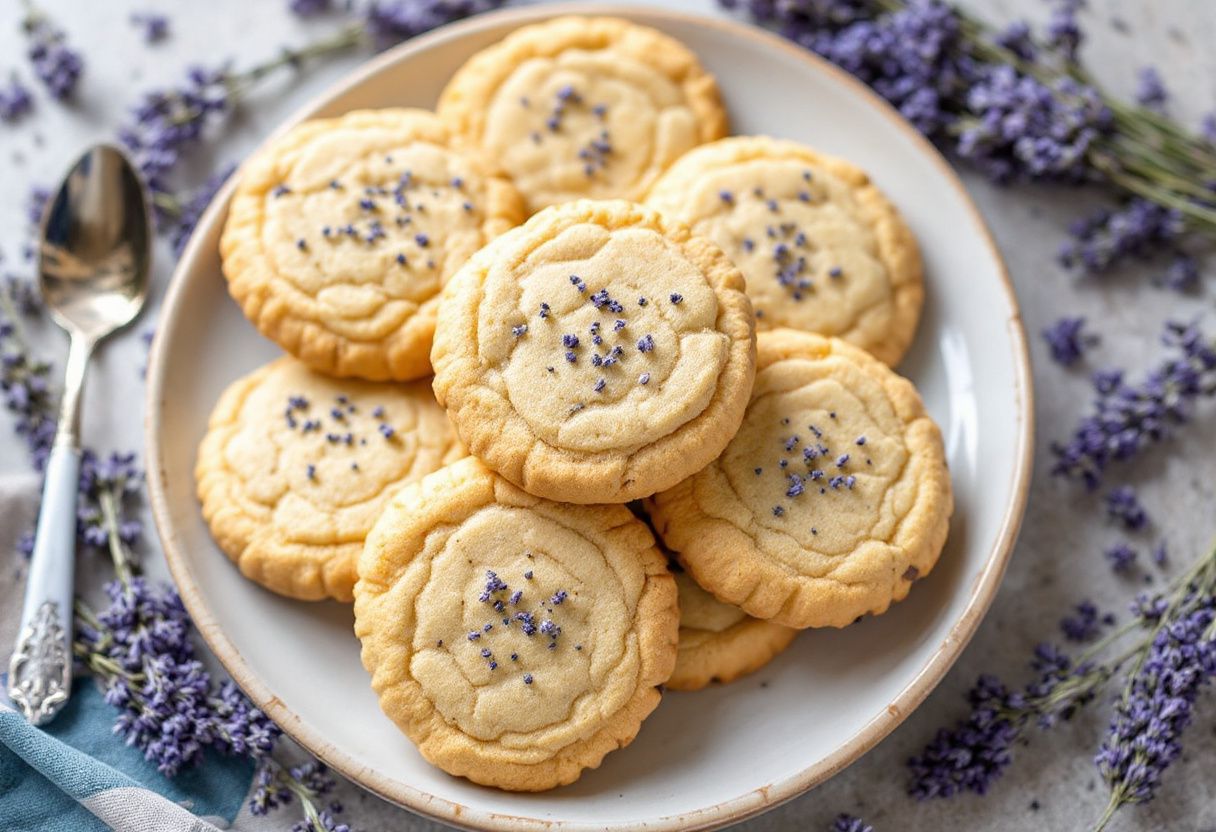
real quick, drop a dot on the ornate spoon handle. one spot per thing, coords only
(40, 671)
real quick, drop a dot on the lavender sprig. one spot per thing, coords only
(56, 64)
(1021, 107)
(1127, 418)
(141, 651)
(975, 752)
(1170, 659)
(1145, 735)
(277, 785)
(1139, 229)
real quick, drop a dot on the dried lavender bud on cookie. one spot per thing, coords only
(296, 467)
(342, 232)
(583, 107)
(596, 354)
(831, 499)
(821, 247)
(515, 640)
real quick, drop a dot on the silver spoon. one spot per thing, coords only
(93, 266)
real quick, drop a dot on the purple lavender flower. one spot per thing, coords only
(15, 101)
(849, 823)
(1139, 229)
(167, 704)
(1126, 419)
(1145, 735)
(973, 754)
(1122, 558)
(391, 21)
(276, 786)
(1067, 340)
(1017, 38)
(1182, 274)
(56, 64)
(22, 294)
(191, 207)
(1160, 554)
(270, 791)
(1063, 32)
(1085, 624)
(1150, 89)
(1020, 128)
(35, 204)
(912, 57)
(977, 750)
(1123, 506)
(309, 8)
(155, 26)
(1207, 128)
(168, 122)
(27, 394)
(794, 19)
(115, 478)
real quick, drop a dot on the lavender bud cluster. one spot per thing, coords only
(169, 707)
(1145, 735)
(1128, 418)
(55, 63)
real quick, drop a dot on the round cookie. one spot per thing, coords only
(822, 249)
(720, 642)
(296, 467)
(596, 354)
(342, 232)
(515, 640)
(829, 502)
(583, 107)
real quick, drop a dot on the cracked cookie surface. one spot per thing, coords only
(829, 502)
(596, 354)
(296, 467)
(720, 642)
(342, 232)
(514, 640)
(578, 107)
(821, 247)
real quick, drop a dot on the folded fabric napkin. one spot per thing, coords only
(74, 775)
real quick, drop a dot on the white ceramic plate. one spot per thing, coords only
(707, 758)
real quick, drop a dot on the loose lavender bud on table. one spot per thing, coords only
(1085, 624)
(1123, 506)
(848, 823)
(15, 101)
(1067, 340)
(1122, 558)
(55, 63)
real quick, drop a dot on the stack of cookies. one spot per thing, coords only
(530, 332)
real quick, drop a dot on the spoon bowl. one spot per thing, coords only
(94, 264)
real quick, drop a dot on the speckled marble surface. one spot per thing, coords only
(1058, 560)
